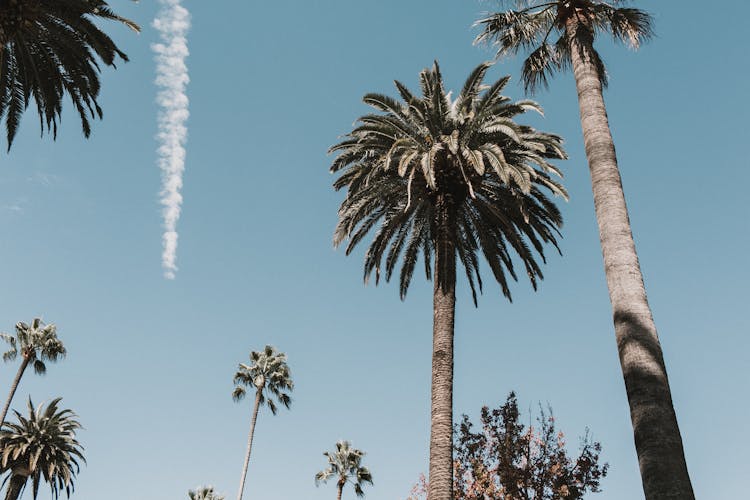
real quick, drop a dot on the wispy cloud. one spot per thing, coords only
(17, 206)
(43, 178)
(172, 23)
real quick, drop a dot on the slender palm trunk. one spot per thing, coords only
(13, 387)
(249, 443)
(444, 306)
(657, 436)
(341, 490)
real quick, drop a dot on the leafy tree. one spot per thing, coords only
(49, 48)
(577, 23)
(454, 179)
(269, 374)
(42, 446)
(204, 493)
(345, 464)
(36, 343)
(505, 460)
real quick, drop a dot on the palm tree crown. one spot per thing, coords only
(269, 374)
(41, 446)
(204, 493)
(541, 27)
(423, 154)
(346, 465)
(36, 342)
(49, 48)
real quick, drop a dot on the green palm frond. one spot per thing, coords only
(204, 493)
(540, 28)
(42, 447)
(269, 374)
(497, 172)
(37, 342)
(345, 464)
(49, 49)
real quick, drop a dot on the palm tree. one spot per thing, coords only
(36, 343)
(49, 48)
(204, 493)
(451, 178)
(577, 22)
(269, 374)
(41, 446)
(346, 465)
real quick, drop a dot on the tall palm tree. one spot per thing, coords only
(204, 493)
(345, 464)
(36, 343)
(49, 48)
(42, 446)
(453, 179)
(576, 23)
(269, 374)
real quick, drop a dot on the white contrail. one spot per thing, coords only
(172, 22)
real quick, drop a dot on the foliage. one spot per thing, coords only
(49, 48)
(269, 374)
(397, 164)
(204, 493)
(42, 446)
(36, 342)
(345, 464)
(504, 460)
(533, 23)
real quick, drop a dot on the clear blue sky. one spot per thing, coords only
(273, 84)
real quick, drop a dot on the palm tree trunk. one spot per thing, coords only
(341, 490)
(657, 436)
(13, 387)
(15, 487)
(249, 443)
(444, 305)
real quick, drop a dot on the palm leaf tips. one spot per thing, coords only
(49, 49)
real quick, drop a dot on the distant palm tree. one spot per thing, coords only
(49, 48)
(657, 435)
(204, 493)
(454, 178)
(42, 446)
(36, 343)
(345, 464)
(269, 374)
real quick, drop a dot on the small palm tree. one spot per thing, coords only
(204, 493)
(42, 446)
(49, 48)
(269, 374)
(453, 179)
(577, 23)
(345, 464)
(36, 343)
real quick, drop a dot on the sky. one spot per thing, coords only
(272, 86)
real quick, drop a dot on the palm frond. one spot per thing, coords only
(470, 148)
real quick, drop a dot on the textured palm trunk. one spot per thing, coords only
(16, 381)
(440, 485)
(657, 436)
(15, 487)
(341, 490)
(249, 443)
